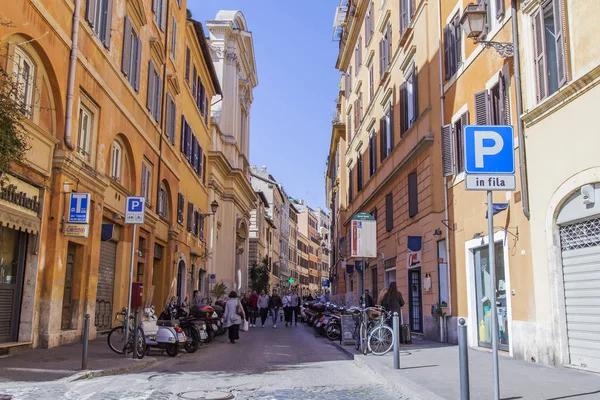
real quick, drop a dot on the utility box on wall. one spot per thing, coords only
(137, 290)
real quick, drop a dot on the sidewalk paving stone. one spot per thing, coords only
(430, 370)
(64, 362)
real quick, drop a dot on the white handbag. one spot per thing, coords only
(244, 327)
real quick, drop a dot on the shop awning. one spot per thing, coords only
(21, 222)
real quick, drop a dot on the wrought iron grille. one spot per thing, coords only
(580, 235)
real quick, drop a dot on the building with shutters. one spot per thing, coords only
(232, 51)
(389, 57)
(560, 74)
(127, 117)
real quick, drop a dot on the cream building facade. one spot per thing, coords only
(232, 51)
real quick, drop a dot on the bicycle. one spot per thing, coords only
(364, 324)
(116, 336)
(381, 336)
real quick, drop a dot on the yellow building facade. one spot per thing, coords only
(106, 125)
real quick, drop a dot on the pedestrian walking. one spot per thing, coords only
(393, 301)
(295, 306)
(368, 301)
(287, 308)
(254, 308)
(246, 304)
(233, 316)
(263, 307)
(275, 304)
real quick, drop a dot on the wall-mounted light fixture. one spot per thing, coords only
(473, 22)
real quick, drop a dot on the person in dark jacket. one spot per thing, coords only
(393, 301)
(275, 304)
(368, 301)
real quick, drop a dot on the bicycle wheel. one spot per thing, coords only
(363, 338)
(381, 340)
(140, 347)
(116, 339)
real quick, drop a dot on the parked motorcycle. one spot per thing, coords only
(193, 327)
(161, 334)
(208, 314)
(167, 319)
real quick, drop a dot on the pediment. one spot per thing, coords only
(174, 83)
(136, 8)
(157, 49)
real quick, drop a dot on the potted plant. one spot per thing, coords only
(219, 290)
(440, 320)
(5, 272)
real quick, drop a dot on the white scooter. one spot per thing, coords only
(162, 334)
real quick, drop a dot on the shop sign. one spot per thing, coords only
(77, 230)
(18, 193)
(413, 259)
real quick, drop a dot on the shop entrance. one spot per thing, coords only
(13, 247)
(414, 300)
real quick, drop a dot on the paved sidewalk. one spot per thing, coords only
(430, 370)
(39, 365)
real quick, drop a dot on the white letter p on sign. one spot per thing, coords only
(481, 150)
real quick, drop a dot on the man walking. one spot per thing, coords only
(263, 307)
(368, 301)
(287, 308)
(295, 307)
(274, 305)
(253, 308)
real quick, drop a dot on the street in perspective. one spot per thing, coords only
(262, 199)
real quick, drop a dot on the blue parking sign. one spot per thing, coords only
(489, 149)
(134, 210)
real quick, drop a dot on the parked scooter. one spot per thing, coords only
(163, 335)
(167, 319)
(193, 327)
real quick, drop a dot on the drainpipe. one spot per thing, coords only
(519, 101)
(71, 77)
(163, 110)
(444, 180)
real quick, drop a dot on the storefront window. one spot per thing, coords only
(8, 255)
(484, 297)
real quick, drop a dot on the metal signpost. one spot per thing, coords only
(134, 214)
(489, 166)
(363, 242)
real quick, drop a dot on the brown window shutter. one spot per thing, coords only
(447, 159)
(382, 141)
(381, 58)
(413, 195)
(457, 41)
(415, 93)
(499, 9)
(183, 132)
(503, 103)
(371, 82)
(90, 12)
(446, 53)
(190, 218)
(187, 64)
(107, 34)
(349, 129)
(464, 121)
(559, 38)
(127, 42)
(138, 63)
(540, 54)
(482, 108)
(403, 109)
(150, 88)
(389, 212)
(403, 17)
(392, 130)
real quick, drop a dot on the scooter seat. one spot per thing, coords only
(167, 322)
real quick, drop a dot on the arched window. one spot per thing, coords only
(163, 202)
(24, 71)
(116, 161)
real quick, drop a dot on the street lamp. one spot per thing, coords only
(214, 206)
(473, 22)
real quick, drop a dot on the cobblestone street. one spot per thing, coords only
(283, 363)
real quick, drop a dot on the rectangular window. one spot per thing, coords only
(146, 190)
(359, 173)
(385, 50)
(189, 144)
(389, 212)
(132, 55)
(187, 65)
(204, 169)
(369, 24)
(196, 226)
(194, 81)
(413, 195)
(457, 130)
(154, 94)
(386, 126)
(195, 159)
(116, 161)
(452, 47)
(407, 11)
(173, 37)
(162, 202)
(549, 49)
(409, 101)
(99, 16)
(200, 161)
(190, 217)
(372, 153)
(350, 185)
(358, 56)
(159, 7)
(85, 132)
(180, 206)
(371, 84)
(171, 118)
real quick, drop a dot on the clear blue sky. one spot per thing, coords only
(298, 83)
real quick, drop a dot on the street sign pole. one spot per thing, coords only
(364, 267)
(130, 284)
(492, 264)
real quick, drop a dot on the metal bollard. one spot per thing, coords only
(135, 334)
(463, 352)
(86, 330)
(396, 339)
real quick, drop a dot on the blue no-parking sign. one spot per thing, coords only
(489, 157)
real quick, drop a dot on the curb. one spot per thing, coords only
(405, 386)
(135, 366)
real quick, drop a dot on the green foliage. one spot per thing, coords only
(219, 290)
(259, 276)
(13, 142)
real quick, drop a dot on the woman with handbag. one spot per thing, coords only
(233, 316)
